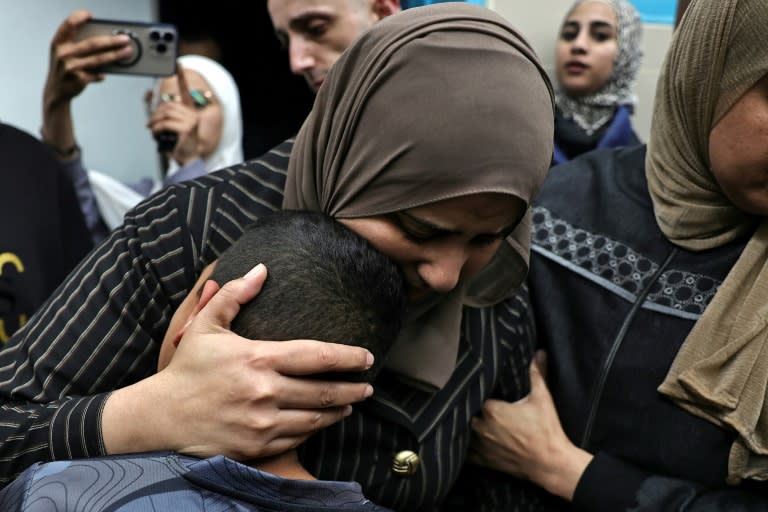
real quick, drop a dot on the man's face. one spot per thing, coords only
(316, 32)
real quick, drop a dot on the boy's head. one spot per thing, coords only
(324, 282)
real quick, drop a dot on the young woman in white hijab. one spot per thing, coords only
(206, 121)
(597, 58)
(206, 134)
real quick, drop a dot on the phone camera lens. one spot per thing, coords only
(154, 35)
(168, 37)
(160, 48)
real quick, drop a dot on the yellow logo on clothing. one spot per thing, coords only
(8, 258)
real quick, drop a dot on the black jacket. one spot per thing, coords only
(612, 301)
(42, 231)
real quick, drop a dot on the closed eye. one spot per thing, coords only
(414, 230)
(316, 29)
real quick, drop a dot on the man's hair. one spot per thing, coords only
(324, 282)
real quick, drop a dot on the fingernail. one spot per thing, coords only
(368, 391)
(255, 271)
(347, 410)
(369, 360)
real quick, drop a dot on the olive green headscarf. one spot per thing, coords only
(432, 103)
(721, 371)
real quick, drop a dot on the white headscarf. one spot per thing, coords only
(115, 198)
(223, 86)
(593, 111)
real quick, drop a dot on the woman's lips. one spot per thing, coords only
(575, 67)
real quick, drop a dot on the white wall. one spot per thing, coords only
(109, 116)
(540, 23)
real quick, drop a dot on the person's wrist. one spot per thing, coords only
(132, 419)
(563, 475)
(66, 153)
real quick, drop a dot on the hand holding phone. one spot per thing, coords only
(154, 45)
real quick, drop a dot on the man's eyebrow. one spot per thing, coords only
(299, 24)
(301, 21)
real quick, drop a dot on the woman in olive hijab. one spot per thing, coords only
(654, 314)
(386, 154)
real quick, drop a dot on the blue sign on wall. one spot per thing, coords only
(651, 11)
(656, 11)
(413, 3)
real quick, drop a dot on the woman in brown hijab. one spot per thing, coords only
(658, 367)
(429, 137)
(439, 182)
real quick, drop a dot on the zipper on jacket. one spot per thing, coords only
(598, 391)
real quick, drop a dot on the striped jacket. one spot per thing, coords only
(102, 330)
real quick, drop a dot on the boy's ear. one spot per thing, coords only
(210, 288)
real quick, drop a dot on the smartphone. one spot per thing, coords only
(155, 46)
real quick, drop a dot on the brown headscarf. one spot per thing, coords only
(432, 103)
(721, 371)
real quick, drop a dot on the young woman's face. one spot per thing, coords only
(442, 242)
(738, 150)
(210, 117)
(587, 49)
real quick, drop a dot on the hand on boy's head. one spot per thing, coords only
(216, 311)
(224, 394)
(198, 298)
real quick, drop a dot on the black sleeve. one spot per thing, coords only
(99, 331)
(102, 328)
(76, 238)
(609, 484)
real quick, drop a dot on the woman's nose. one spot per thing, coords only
(580, 43)
(442, 271)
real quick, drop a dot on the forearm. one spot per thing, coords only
(610, 484)
(58, 128)
(132, 420)
(562, 477)
(86, 197)
(97, 333)
(33, 432)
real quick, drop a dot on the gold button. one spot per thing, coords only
(405, 463)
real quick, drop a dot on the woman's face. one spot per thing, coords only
(442, 242)
(587, 49)
(738, 150)
(210, 117)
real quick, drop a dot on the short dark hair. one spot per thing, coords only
(324, 282)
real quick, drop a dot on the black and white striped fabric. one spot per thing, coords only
(102, 331)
